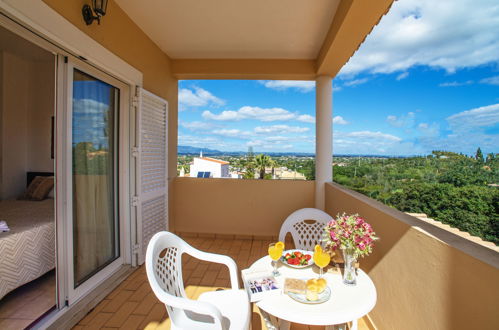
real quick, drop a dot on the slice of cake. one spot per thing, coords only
(295, 285)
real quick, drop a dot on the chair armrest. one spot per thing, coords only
(219, 259)
(196, 306)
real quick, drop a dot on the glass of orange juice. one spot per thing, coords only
(275, 253)
(321, 258)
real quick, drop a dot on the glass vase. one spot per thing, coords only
(349, 274)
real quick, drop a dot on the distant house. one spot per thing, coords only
(206, 167)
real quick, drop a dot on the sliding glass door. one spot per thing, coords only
(95, 232)
(94, 153)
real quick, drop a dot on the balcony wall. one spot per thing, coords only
(426, 277)
(240, 207)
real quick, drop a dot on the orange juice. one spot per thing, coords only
(275, 250)
(321, 258)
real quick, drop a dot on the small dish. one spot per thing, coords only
(301, 298)
(310, 261)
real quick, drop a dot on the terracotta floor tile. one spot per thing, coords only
(145, 306)
(156, 315)
(117, 301)
(209, 278)
(132, 322)
(122, 314)
(93, 313)
(141, 292)
(99, 320)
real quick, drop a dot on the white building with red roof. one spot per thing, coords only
(206, 167)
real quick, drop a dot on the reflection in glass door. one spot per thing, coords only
(96, 243)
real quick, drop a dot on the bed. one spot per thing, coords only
(27, 251)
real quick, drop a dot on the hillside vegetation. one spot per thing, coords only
(452, 188)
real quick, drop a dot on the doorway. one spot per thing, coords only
(28, 269)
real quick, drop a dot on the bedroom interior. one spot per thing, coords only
(27, 103)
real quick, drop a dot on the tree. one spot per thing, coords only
(249, 173)
(479, 155)
(262, 162)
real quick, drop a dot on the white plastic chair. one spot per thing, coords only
(305, 235)
(226, 309)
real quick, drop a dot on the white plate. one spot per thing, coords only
(310, 262)
(323, 297)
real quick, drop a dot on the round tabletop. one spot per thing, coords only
(347, 303)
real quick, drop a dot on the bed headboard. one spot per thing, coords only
(31, 175)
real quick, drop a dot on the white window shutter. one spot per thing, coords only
(152, 168)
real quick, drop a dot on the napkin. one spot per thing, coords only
(3, 226)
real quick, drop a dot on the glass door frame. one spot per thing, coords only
(66, 67)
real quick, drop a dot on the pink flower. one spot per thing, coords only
(361, 246)
(367, 227)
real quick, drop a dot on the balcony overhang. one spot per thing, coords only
(259, 39)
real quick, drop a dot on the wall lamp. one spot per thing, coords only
(98, 7)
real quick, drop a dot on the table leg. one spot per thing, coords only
(354, 325)
(274, 323)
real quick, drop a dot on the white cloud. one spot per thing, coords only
(197, 97)
(233, 133)
(456, 83)
(429, 129)
(355, 82)
(467, 131)
(306, 119)
(247, 112)
(491, 81)
(371, 143)
(256, 113)
(89, 106)
(403, 75)
(280, 129)
(369, 135)
(339, 120)
(473, 119)
(303, 86)
(444, 34)
(402, 121)
(198, 125)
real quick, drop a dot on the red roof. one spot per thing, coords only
(215, 160)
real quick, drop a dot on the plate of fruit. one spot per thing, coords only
(297, 258)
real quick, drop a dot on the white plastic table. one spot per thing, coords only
(347, 303)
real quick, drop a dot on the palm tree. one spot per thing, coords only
(262, 161)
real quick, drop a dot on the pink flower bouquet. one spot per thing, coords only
(350, 232)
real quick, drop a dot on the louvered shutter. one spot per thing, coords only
(151, 166)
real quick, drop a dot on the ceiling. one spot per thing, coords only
(234, 29)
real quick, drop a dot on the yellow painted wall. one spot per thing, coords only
(423, 282)
(235, 206)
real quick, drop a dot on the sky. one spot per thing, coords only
(91, 111)
(426, 78)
